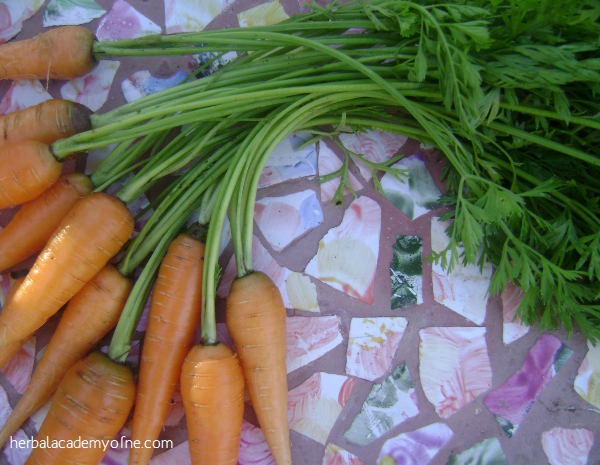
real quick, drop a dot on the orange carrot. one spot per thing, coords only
(91, 404)
(212, 390)
(45, 122)
(14, 346)
(59, 53)
(88, 317)
(35, 221)
(255, 317)
(87, 238)
(27, 168)
(173, 321)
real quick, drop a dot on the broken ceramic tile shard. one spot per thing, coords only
(486, 452)
(511, 401)
(587, 381)
(125, 22)
(406, 271)
(454, 367)
(567, 445)
(71, 12)
(309, 338)
(348, 254)
(262, 15)
(372, 345)
(335, 455)
(292, 158)
(388, 404)
(93, 88)
(418, 447)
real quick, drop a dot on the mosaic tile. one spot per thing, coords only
(415, 193)
(285, 218)
(464, 288)
(388, 404)
(5, 408)
(415, 447)
(315, 405)
(13, 15)
(292, 158)
(309, 338)
(454, 367)
(355, 240)
(335, 455)
(511, 401)
(19, 451)
(301, 292)
(180, 454)
(262, 15)
(191, 15)
(93, 88)
(125, 22)
(512, 327)
(22, 94)
(330, 163)
(486, 452)
(142, 83)
(374, 145)
(69, 12)
(565, 446)
(117, 455)
(372, 345)
(18, 370)
(253, 447)
(406, 271)
(587, 381)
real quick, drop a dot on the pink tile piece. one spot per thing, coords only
(329, 162)
(253, 447)
(335, 455)
(374, 145)
(125, 22)
(454, 367)
(18, 449)
(315, 405)
(511, 401)
(18, 370)
(417, 447)
(348, 254)
(285, 218)
(13, 14)
(22, 94)
(309, 338)
(512, 327)
(567, 446)
(93, 88)
(372, 345)
(464, 289)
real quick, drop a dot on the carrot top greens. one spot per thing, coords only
(504, 90)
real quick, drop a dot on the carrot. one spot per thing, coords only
(173, 320)
(212, 390)
(45, 122)
(91, 404)
(255, 317)
(59, 53)
(14, 346)
(27, 168)
(88, 317)
(35, 221)
(91, 233)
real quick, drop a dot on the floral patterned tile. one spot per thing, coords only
(511, 401)
(22, 94)
(93, 88)
(330, 163)
(512, 328)
(142, 83)
(125, 22)
(415, 447)
(587, 381)
(406, 271)
(372, 345)
(315, 405)
(262, 14)
(69, 12)
(18, 370)
(309, 338)
(355, 240)
(415, 193)
(191, 15)
(454, 367)
(285, 218)
(335, 455)
(293, 158)
(388, 404)
(13, 15)
(464, 288)
(486, 452)
(253, 447)
(566, 446)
